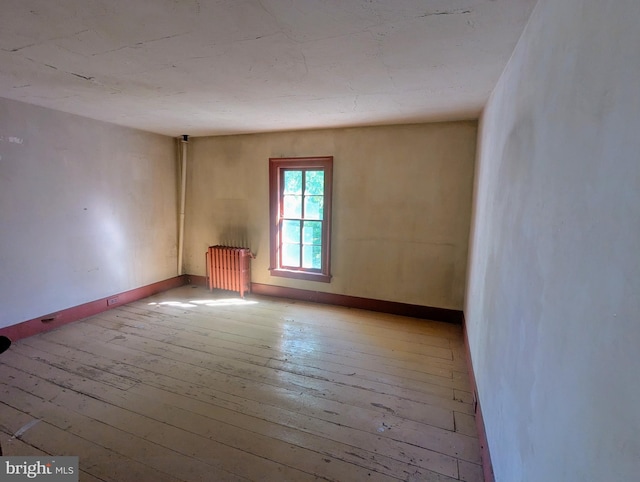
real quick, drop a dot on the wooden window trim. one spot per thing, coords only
(276, 164)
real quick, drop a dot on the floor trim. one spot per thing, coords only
(393, 307)
(487, 467)
(197, 280)
(75, 313)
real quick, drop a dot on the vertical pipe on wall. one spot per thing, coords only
(183, 196)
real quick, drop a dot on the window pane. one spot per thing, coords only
(312, 257)
(292, 182)
(313, 207)
(291, 255)
(300, 217)
(314, 182)
(290, 231)
(312, 232)
(292, 207)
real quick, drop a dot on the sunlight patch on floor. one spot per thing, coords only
(216, 302)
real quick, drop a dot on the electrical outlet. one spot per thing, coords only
(112, 301)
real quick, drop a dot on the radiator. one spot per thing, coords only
(229, 269)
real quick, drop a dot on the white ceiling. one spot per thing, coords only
(212, 67)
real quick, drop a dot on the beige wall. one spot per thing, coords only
(87, 209)
(401, 206)
(553, 303)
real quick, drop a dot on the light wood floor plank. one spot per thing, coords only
(433, 374)
(241, 338)
(336, 413)
(365, 340)
(95, 459)
(72, 421)
(206, 362)
(164, 318)
(191, 434)
(263, 356)
(193, 385)
(191, 422)
(295, 331)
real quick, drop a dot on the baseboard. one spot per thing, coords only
(393, 307)
(75, 313)
(487, 467)
(196, 280)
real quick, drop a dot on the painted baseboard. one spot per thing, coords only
(75, 313)
(196, 280)
(487, 467)
(393, 307)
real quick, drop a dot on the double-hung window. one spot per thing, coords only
(300, 205)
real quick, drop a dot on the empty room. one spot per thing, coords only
(387, 240)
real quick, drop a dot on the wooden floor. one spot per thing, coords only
(189, 385)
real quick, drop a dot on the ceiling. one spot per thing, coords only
(213, 67)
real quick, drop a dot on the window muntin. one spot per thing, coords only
(300, 217)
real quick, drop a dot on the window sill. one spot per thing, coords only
(304, 275)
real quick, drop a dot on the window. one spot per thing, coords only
(300, 205)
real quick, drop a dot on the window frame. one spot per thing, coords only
(276, 167)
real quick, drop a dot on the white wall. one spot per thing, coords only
(553, 296)
(87, 209)
(401, 206)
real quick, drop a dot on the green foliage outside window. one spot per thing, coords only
(303, 211)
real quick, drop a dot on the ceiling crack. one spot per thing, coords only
(17, 49)
(138, 44)
(81, 76)
(445, 12)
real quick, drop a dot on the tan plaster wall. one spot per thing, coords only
(553, 298)
(401, 206)
(87, 210)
